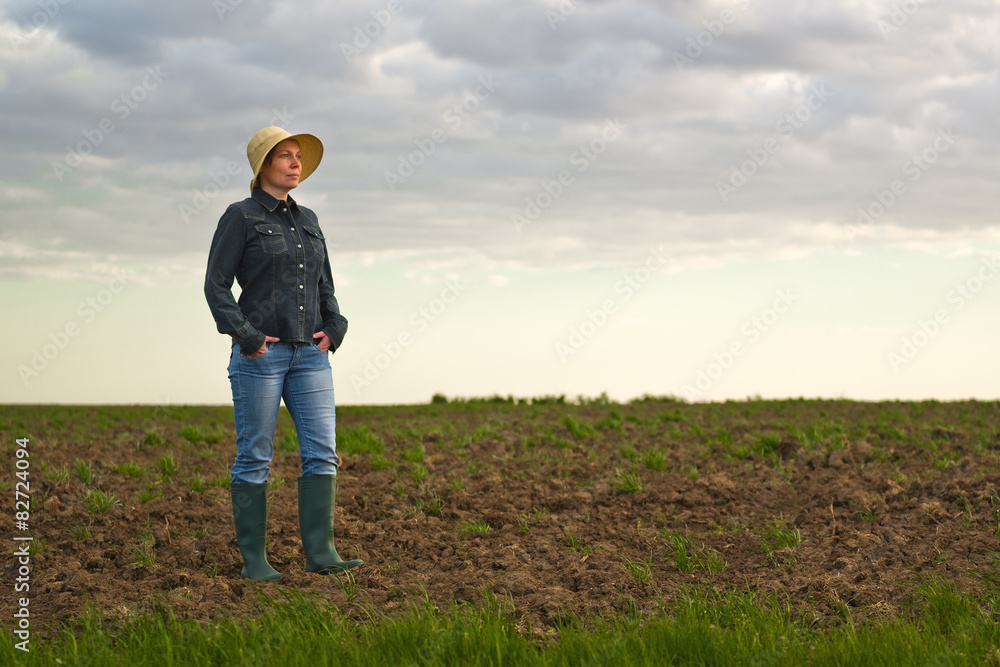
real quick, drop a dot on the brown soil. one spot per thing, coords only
(883, 495)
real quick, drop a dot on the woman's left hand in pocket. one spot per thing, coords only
(322, 340)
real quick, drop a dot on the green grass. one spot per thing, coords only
(687, 558)
(641, 570)
(221, 480)
(196, 484)
(579, 431)
(380, 462)
(612, 422)
(629, 482)
(81, 532)
(672, 416)
(765, 445)
(629, 452)
(433, 505)
(485, 432)
(149, 493)
(415, 453)
(84, 472)
(655, 459)
(359, 440)
(289, 442)
(167, 466)
(143, 552)
(130, 469)
(57, 475)
(732, 627)
(475, 527)
(99, 502)
(572, 541)
(275, 481)
(680, 546)
(36, 546)
(778, 535)
(195, 434)
(419, 473)
(798, 627)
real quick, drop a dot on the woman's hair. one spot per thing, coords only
(267, 163)
(269, 157)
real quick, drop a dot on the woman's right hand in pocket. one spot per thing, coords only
(263, 348)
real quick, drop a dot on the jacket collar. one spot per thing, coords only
(269, 202)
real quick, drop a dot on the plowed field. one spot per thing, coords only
(841, 507)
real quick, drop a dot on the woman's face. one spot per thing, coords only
(285, 168)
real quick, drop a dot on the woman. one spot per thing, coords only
(284, 327)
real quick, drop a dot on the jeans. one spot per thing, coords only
(300, 374)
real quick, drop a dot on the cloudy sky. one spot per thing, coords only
(707, 199)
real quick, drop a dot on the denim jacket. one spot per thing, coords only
(277, 253)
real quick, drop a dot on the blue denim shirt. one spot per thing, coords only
(277, 253)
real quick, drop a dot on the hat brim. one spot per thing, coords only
(310, 145)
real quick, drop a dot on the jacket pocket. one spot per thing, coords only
(316, 239)
(272, 240)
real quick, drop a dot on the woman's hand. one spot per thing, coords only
(263, 348)
(324, 341)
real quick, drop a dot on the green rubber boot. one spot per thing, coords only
(317, 499)
(250, 517)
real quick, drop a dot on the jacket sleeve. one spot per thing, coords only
(223, 262)
(334, 324)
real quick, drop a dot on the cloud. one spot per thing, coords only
(416, 72)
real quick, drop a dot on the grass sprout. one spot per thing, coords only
(130, 469)
(629, 482)
(99, 502)
(778, 535)
(655, 459)
(84, 472)
(640, 570)
(149, 493)
(167, 466)
(475, 527)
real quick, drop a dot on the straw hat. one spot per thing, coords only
(262, 143)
